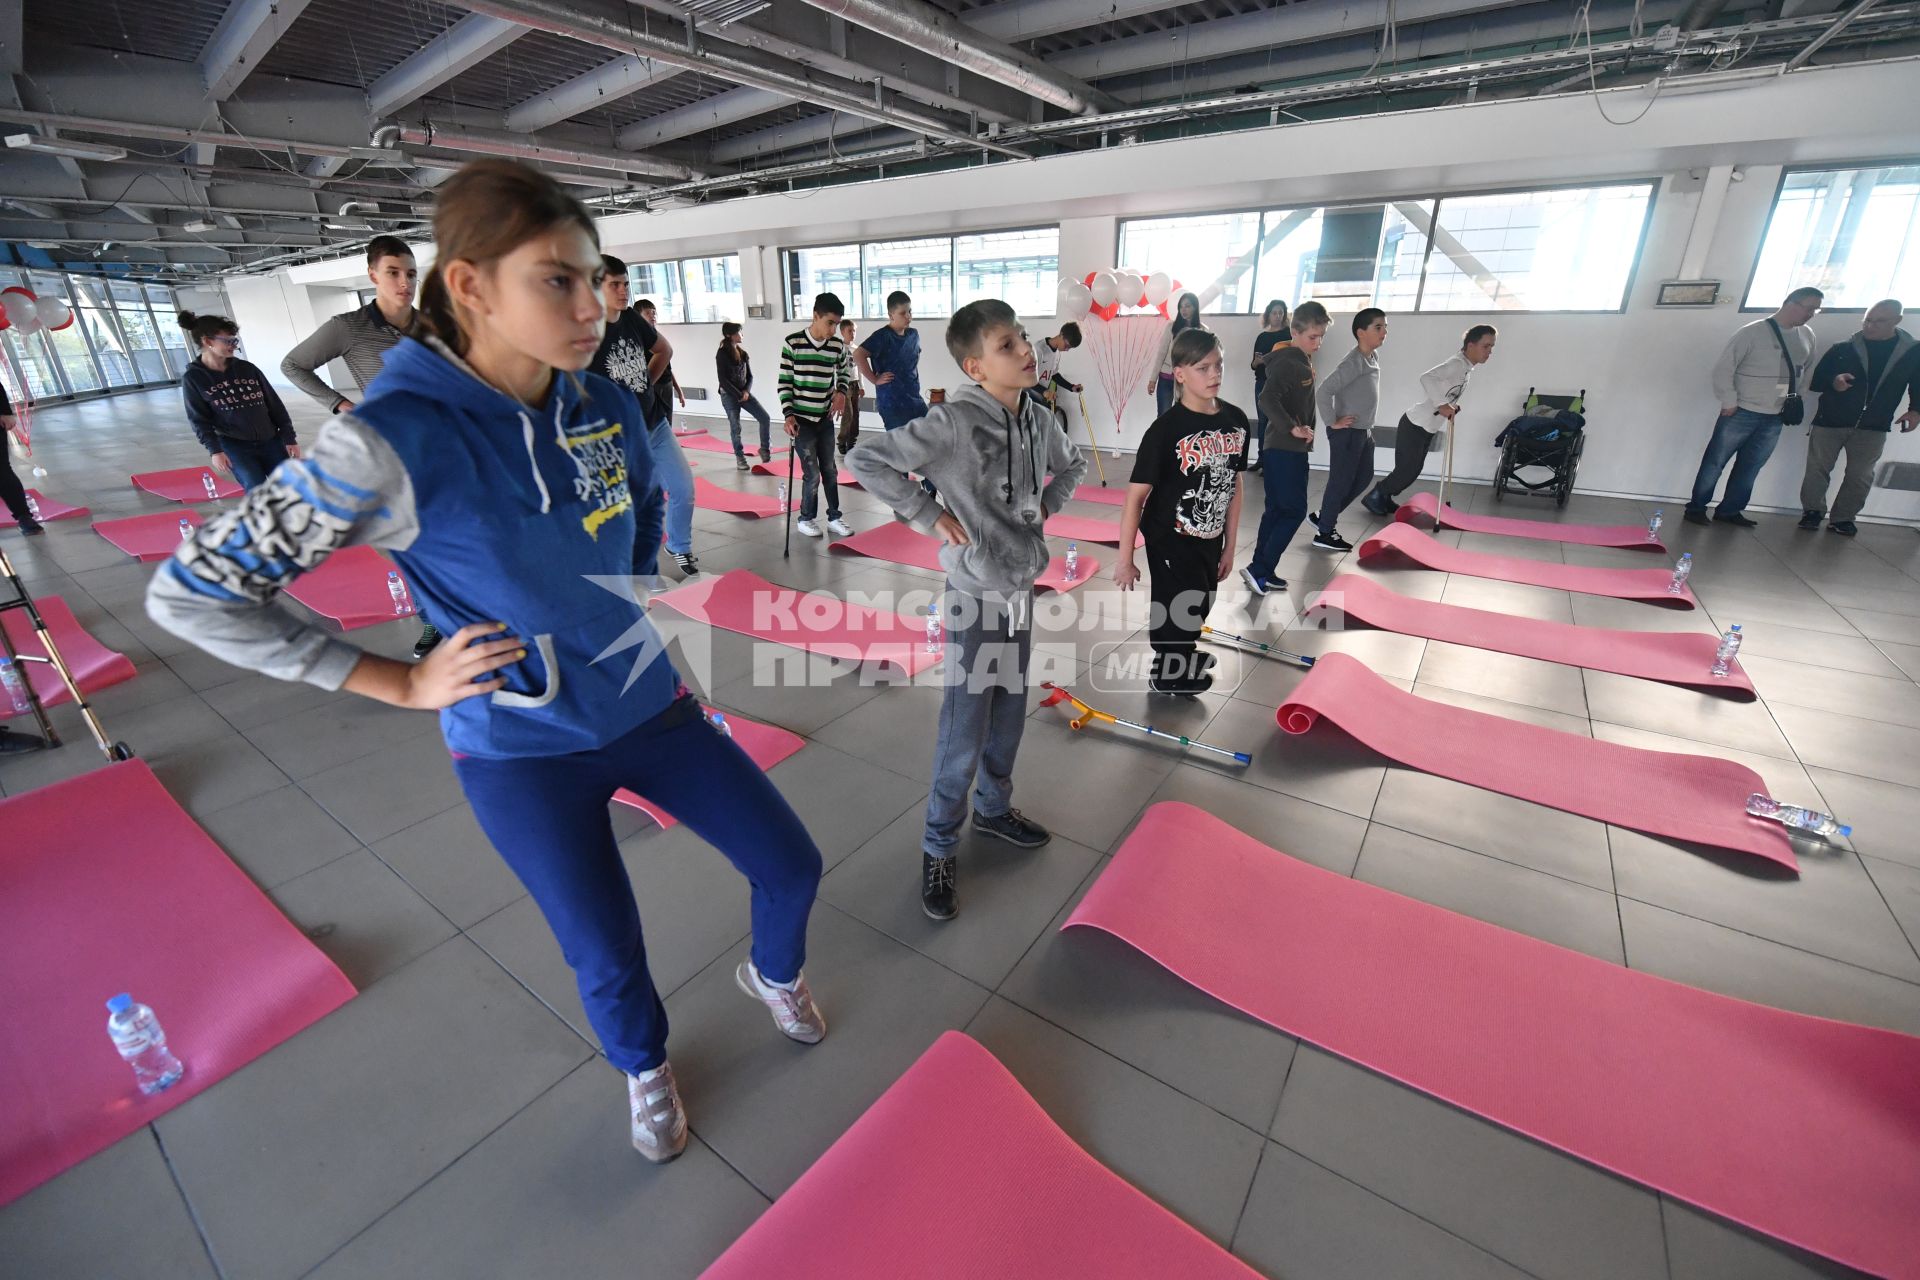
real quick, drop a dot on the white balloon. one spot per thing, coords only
(1075, 299)
(1106, 288)
(1159, 288)
(1131, 288)
(53, 313)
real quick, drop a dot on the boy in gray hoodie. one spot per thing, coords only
(987, 450)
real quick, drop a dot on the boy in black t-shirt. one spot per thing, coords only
(1185, 498)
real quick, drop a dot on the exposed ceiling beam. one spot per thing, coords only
(173, 133)
(245, 34)
(1031, 19)
(721, 109)
(459, 48)
(1840, 24)
(774, 139)
(526, 146)
(608, 82)
(922, 26)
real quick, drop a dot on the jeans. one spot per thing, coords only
(1746, 437)
(1284, 475)
(819, 469)
(1183, 577)
(547, 817)
(1824, 447)
(898, 410)
(1350, 472)
(1164, 393)
(983, 712)
(734, 406)
(1410, 447)
(676, 477)
(253, 460)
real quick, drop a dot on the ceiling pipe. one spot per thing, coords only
(169, 133)
(527, 146)
(1840, 24)
(920, 25)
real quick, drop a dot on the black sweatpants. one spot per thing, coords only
(1183, 574)
(1410, 445)
(12, 492)
(1349, 472)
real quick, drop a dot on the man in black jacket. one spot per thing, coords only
(1861, 383)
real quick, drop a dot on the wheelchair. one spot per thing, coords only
(1550, 433)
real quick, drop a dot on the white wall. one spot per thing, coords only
(1645, 370)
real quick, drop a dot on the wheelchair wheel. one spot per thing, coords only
(1502, 474)
(1566, 486)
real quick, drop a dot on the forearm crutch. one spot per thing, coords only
(1088, 422)
(1259, 646)
(22, 600)
(1087, 714)
(786, 507)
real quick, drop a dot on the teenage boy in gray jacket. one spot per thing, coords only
(988, 450)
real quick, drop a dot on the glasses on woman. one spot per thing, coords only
(225, 340)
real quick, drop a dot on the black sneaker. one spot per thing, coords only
(1331, 541)
(429, 637)
(1012, 826)
(1182, 688)
(1845, 528)
(740, 462)
(939, 897)
(1737, 520)
(766, 454)
(32, 528)
(1695, 517)
(1809, 520)
(688, 565)
(12, 743)
(1377, 504)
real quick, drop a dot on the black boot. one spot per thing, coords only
(939, 897)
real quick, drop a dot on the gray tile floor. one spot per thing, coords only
(452, 1120)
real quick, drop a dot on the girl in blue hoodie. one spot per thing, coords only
(513, 490)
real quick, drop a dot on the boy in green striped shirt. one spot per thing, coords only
(816, 373)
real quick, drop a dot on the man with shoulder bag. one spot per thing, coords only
(1758, 379)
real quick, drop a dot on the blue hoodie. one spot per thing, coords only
(495, 512)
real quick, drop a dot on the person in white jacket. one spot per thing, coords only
(1440, 390)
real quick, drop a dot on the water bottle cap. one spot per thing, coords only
(1734, 627)
(1846, 831)
(120, 1003)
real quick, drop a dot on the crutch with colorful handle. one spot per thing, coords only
(1088, 423)
(1260, 646)
(1087, 713)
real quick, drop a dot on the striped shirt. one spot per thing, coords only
(362, 338)
(810, 373)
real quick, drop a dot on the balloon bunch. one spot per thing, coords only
(1103, 293)
(24, 313)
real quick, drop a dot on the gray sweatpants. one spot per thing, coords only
(1824, 447)
(983, 712)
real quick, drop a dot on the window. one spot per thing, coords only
(712, 290)
(69, 344)
(103, 328)
(1854, 233)
(942, 273)
(658, 283)
(1570, 249)
(143, 336)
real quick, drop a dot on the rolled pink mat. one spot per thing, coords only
(94, 666)
(765, 744)
(1801, 1128)
(1630, 537)
(955, 1173)
(106, 885)
(1088, 529)
(187, 484)
(1663, 793)
(709, 496)
(50, 509)
(744, 602)
(1649, 586)
(350, 586)
(1684, 658)
(897, 543)
(148, 538)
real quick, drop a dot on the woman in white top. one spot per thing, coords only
(1186, 315)
(1440, 390)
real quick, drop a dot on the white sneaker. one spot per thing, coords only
(793, 1011)
(659, 1122)
(806, 528)
(839, 528)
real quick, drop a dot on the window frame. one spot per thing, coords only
(679, 273)
(72, 282)
(859, 245)
(1436, 199)
(1773, 209)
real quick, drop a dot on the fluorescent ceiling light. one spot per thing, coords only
(65, 147)
(197, 225)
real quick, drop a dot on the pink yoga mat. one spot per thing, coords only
(188, 484)
(50, 510)
(151, 537)
(350, 586)
(1096, 493)
(900, 544)
(846, 479)
(1684, 658)
(1663, 793)
(1649, 586)
(106, 885)
(1632, 537)
(714, 444)
(745, 602)
(709, 496)
(94, 666)
(955, 1173)
(1798, 1127)
(1088, 529)
(767, 744)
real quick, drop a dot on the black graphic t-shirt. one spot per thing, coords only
(623, 357)
(1193, 461)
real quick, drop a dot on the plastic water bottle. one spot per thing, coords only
(1682, 570)
(186, 529)
(1653, 526)
(13, 686)
(936, 636)
(402, 601)
(783, 497)
(1729, 648)
(213, 490)
(1792, 815)
(719, 722)
(33, 508)
(142, 1044)
(1073, 561)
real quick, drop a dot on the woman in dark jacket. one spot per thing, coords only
(736, 392)
(235, 413)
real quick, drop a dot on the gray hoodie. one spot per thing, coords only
(990, 466)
